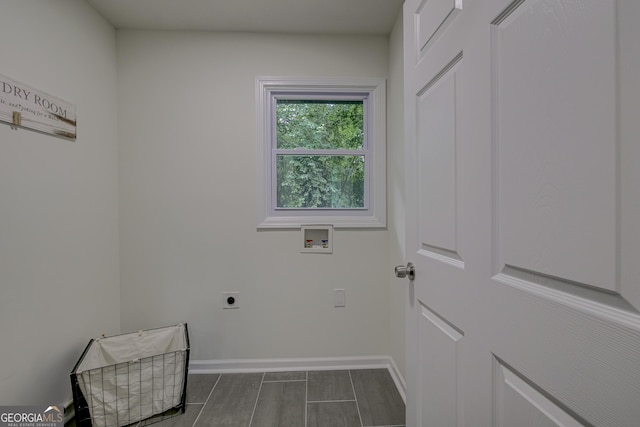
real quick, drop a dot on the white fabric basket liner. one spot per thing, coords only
(128, 378)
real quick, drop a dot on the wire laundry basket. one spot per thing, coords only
(132, 379)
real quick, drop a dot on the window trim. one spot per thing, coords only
(374, 215)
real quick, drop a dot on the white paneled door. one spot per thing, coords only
(523, 212)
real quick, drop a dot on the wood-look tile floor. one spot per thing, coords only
(353, 398)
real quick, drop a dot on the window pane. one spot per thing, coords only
(320, 124)
(320, 181)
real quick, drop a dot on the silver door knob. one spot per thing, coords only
(408, 271)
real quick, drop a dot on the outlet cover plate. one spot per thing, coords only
(339, 299)
(226, 304)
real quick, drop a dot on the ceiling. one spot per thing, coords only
(284, 16)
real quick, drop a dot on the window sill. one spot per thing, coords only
(336, 221)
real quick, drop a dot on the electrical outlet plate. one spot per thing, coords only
(339, 299)
(226, 304)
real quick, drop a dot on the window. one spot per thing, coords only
(321, 152)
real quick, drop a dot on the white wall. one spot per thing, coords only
(188, 201)
(398, 289)
(59, 278)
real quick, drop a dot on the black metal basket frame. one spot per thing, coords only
(82, 415)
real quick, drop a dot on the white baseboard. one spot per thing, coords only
(401, 384)
(303, 364)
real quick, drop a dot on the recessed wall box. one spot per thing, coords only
(316, 239)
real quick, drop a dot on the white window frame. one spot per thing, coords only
(373, 90)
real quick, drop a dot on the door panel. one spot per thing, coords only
(436, 140)
(629, 105)
(439, 364)
(577, 353)
(523, 212)
(555, 105)
(432, 19)
(516, 400)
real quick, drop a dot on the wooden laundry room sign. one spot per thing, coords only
(24, 106)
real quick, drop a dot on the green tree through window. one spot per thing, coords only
(319, 154)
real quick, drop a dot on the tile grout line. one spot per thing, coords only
(255, 405)
(331, 401)
(356, 398)
(306, 397)
(206, 401)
